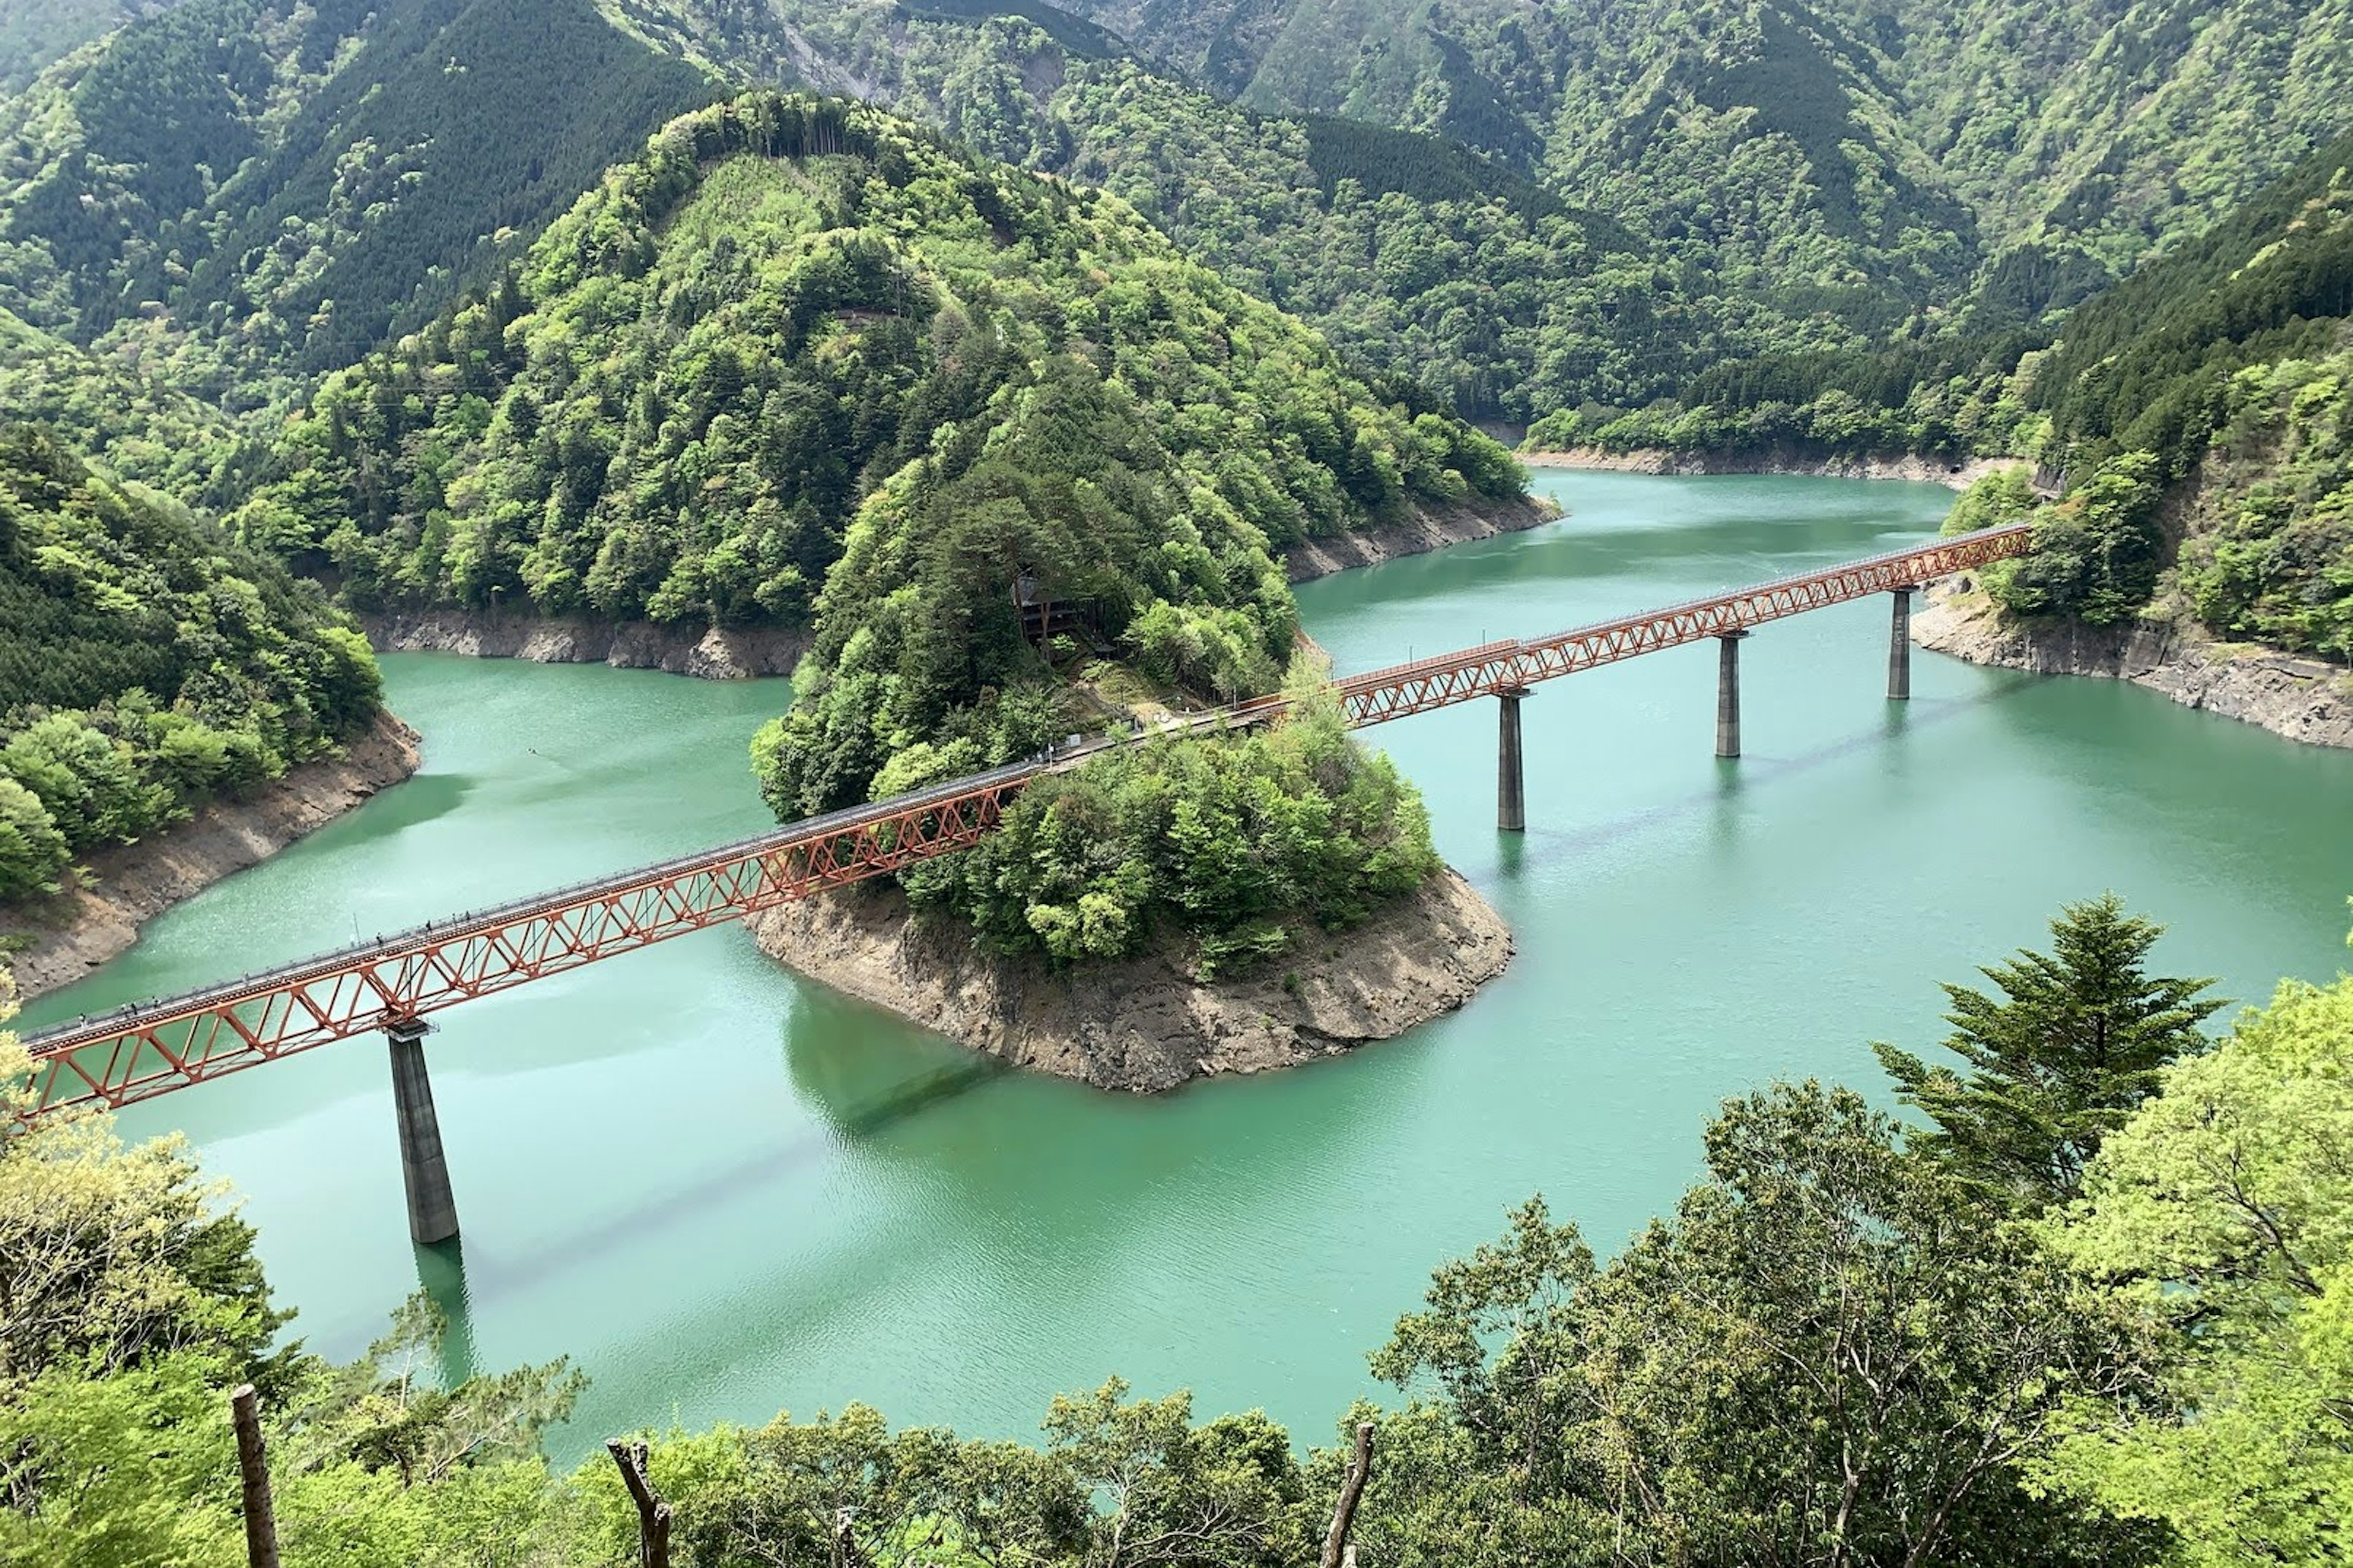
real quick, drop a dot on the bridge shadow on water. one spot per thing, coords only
(1738, 776)
(855, 1106)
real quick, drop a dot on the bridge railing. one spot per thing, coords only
(149, 1048)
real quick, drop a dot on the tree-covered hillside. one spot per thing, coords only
(1415, 255)
(1831, 146)
(791, 308)
(146, 664)
(35, 32)
(242, 192)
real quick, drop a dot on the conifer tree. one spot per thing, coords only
(2057, 1057)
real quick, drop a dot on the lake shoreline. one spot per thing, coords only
(2299, 699)
(74, 931)
(1658, 460)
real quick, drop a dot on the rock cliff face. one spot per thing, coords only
(75, 930)
(712, 653)
(1147, 1024)
(2301, 698)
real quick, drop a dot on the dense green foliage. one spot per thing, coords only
(147, 664)
(2212, 383)
(1224, 841)
(1844, 1346)
(150, 433)
(35, 32)
(2077, 1039)
(241, 192)
(1414, 255)
(2221, 1211)
(789, 314)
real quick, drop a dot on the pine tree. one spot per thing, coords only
(2075, 1040)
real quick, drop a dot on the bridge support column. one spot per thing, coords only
(1510, 778)
(424, 1169)
(1899, 649)
(1727, 694)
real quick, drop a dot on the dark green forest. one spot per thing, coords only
(148, 664)
(2082, 1305)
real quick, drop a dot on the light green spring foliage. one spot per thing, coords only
(793, 331)
(2225, 1209)
(1241, 845)
(130, 1303)
(1830, 1353)
(148, 664)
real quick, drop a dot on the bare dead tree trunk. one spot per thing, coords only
(1337, 1552)
(260, 1514)
(845, 1544)
(654, 1514)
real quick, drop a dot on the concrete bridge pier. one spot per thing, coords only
(1899, 649)
(1511, 777)
(1727, 694)
(424, 1169)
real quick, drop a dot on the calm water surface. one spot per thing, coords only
(723, 1193)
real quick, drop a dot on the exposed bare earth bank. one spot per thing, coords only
(733, 654)
(1427, 530)
(1958, 474)
(2302, 698)
(1149, 1023)
(712, 653)
(75, 930)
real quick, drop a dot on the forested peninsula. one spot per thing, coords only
(993, 369)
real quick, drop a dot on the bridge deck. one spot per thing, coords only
(151, 1048)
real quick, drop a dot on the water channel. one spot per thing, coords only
(723, 1191)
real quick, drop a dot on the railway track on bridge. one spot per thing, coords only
(151, 1048)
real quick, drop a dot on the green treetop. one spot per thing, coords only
(2077, 1039)
(2224, 1210)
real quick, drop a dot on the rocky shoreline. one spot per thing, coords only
(1424, 532)
(733, 654)
(2300, 699)
(1149, 1025)
(1957, 475)
(74, 931)
(708, 653)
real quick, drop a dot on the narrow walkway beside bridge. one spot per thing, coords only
(394, 984)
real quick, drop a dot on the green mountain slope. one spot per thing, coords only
(673, 408)
(145, 664)
(35, 32)
(1415, 255)
(1829, 146)
(243, 192)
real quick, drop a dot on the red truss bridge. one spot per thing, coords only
(393, 983)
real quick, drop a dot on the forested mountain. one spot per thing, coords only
(792, 313)
(239, 194)
(1831, 147)
(146, 664)
(35, 32)
(2214, 381)
(1415, 255)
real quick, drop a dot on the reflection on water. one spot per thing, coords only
(724, 1192)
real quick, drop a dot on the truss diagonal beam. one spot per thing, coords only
(152, 1048)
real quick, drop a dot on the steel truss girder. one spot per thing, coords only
(1494, 669)
(140, 1053)
(118, 1060)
